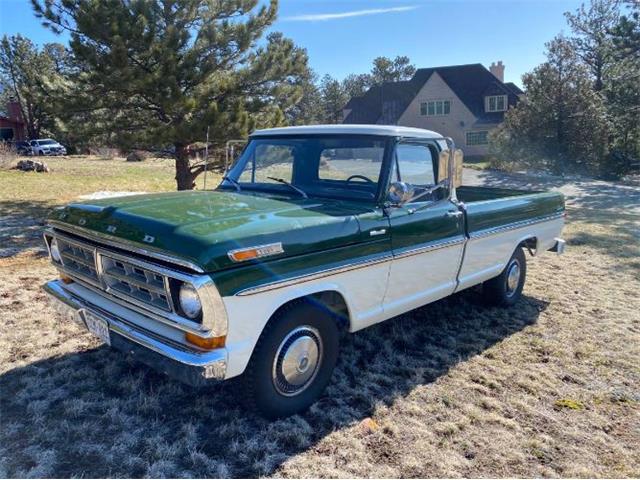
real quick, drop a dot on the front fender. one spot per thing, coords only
(248, 315)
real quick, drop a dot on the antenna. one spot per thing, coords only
(206, 159)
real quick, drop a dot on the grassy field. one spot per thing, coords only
(550, 387)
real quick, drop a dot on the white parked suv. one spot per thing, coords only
(46, 146)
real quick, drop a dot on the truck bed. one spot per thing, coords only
(478, 194)
(493, 208)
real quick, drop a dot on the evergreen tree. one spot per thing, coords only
(591, 40)
(334, 98)
(310, 109)
(560, 124)
(387, 70)
(622, 91)
(154, 73)
(356, 85)
(29, 77)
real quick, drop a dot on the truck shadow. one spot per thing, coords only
(94, 414)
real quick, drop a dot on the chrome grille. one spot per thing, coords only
(148, 288)
(78, 259)
(133, 281)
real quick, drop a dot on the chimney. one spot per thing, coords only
(13, 110)
(498, 70)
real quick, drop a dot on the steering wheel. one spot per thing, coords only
(362, 177)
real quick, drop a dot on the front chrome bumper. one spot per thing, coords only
(191, 367)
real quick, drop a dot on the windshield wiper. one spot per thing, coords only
(232, 182)
(283, 181)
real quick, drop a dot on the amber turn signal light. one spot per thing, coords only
(251, 253)
(210, 343)
(244, 255)
(66, 279)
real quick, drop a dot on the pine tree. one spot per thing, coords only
(387, 70)
(560, 124)
(591, 40)
(334, 98)
(30, 76)
(157, 73)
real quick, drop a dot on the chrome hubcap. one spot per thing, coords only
(513, 278)
(297, 361)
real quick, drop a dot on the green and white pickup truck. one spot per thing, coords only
(313, 231)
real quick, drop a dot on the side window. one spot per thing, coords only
(269, 161)
(413, 165)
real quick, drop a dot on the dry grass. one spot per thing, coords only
(550, 387)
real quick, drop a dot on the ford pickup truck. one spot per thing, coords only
(314, 231)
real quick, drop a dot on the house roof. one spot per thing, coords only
(514, 88)
(381, 130)
(471, 83)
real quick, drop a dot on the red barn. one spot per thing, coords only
(12, 126)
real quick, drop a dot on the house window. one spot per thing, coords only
(477, 138)
(435, 107)
(495, 103)
(6, 134)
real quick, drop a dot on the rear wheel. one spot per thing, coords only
(292, 362)
(506, 288)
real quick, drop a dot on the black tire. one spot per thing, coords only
(41, 154)
(266, 387)
(501, 291)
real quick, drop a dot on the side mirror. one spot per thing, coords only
(444, 167)
(400, 192)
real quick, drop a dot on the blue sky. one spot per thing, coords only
(344, 36)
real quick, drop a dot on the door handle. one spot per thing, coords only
(453, 213)
(374, 233)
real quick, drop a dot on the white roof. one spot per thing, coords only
(382, 130)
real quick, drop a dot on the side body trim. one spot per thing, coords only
(314, 276)
(514, 225)
(428, 247)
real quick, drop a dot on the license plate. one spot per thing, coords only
(98, 326)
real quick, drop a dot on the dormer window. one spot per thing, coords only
(495, 103)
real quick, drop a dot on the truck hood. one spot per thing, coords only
(203, 226)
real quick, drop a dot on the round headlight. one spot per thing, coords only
(189, 300)
(55, 251)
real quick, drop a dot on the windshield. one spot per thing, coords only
(327, 166)
(47, 142)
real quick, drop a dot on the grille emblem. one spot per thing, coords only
(82, 221)
(149, 239)
(111, 229)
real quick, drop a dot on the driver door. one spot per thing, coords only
(427, 236)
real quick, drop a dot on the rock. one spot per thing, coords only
(32, 166)
(137, 156)
(369, 425)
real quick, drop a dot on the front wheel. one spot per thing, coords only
(506, 289)
(292, 362)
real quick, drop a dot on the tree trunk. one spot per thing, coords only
(184, 177)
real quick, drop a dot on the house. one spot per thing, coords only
(463, 102)
(12, 126)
